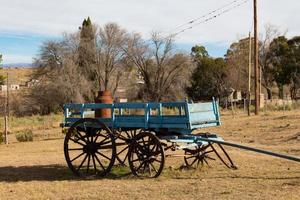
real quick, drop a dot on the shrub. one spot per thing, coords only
(64, 131)
(1, 137)
(24, 136)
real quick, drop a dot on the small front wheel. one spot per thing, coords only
(194, 157)
(146, 156)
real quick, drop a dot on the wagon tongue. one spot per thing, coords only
(221, 142)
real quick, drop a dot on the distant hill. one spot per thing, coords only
(18, 65)
(18, 75)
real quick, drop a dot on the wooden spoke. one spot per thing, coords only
(82, 162)
(77, 157)
(101, 154)
(99, 162)
(123, 141)
(77, 142)
(126, 147)
(81, 136)
(76, 149)
(94, 163)
(153, 168)
(88, 165)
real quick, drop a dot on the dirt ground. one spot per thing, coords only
(37, 170)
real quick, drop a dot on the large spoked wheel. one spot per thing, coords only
(123, 140)
(146, 156)
(89, 148)
(194, 157)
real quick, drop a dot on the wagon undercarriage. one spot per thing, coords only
(99, 149)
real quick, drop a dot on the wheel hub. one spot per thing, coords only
(90, 148)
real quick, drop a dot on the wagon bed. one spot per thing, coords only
(178, 117)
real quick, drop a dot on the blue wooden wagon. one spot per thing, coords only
(140, 134)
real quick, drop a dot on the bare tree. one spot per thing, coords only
(265, 60)
(237, 58)
(110, 56)
(60, 77)
(160, 68)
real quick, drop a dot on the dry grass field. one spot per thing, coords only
(18, 75)
(37, 170)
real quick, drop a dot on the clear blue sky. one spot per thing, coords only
(21, 48)
(24, 25)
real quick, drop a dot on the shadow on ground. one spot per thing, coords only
(46, 173)
(35, 173)
(63, 173)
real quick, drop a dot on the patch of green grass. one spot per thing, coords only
(1, 137)
(35, 121)
(119, 171)
(24, 136)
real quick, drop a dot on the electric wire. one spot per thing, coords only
(216, 15)
(203, 16)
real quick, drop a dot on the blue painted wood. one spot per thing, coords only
(125, 115)
(130, 105)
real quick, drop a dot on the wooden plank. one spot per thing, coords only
(73, 106)
(97, 106)
(201, 107)
(204, 125)
(202, 116)
(169, 120)
(118, 124)
(130, 105)
(130, 119)
(173, 104)
(170, 126)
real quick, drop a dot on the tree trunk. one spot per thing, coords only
(269, 92)
(280, 90)
(106, 83)
(293, 92)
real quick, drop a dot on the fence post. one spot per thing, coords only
(6, 130)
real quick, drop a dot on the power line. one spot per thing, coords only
(203, 16)
(211, 17)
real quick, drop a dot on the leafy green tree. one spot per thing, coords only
(294, 65)
(280, 55)
(208, 79)
(199, 52)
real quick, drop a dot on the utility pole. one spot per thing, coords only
(249, 75)
(8, 108)
(6, 112)
(256, 70)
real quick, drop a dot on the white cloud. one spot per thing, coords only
(54, 17)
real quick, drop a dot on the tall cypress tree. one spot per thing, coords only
(87, 49)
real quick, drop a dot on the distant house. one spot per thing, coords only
(235, 95)
(3, 87)
(139, 79)
(120, 95)
(11, 87)
(32, 82)
(14, 87)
